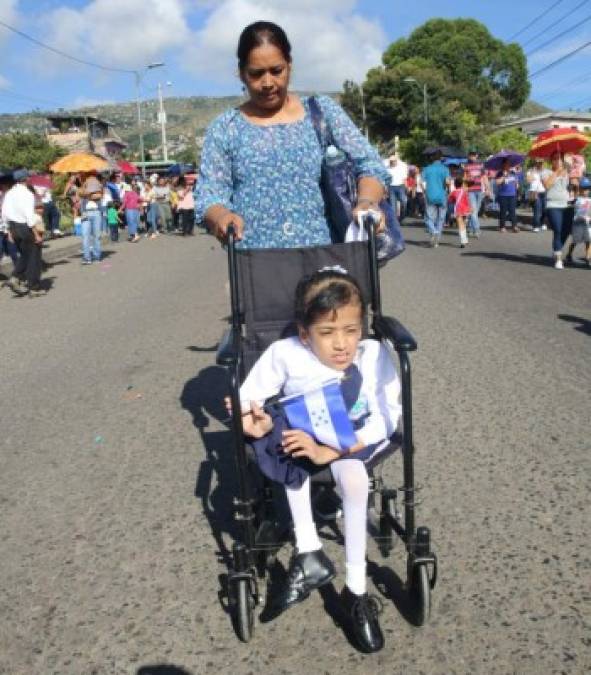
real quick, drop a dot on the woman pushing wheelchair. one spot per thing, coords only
(261, 163)
(260, 173)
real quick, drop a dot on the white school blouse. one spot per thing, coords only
(291, 367)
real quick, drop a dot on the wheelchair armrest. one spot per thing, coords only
(391, 329)
(229, 348)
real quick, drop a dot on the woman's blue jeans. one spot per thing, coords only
(132, 218)
(152, 217)
(539, 209)
(507, 206)
(91, 235)
(561, 222)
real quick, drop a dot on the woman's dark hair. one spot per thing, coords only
(260, 33)
(323, 293)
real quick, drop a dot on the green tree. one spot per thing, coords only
(508, 139)
(471, 80)
(31, 151)
(490, 75)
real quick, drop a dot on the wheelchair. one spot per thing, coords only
(262, 284)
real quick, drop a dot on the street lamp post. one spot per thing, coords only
(425, 99)
(138, 80)
(162, 120)
(363, 115)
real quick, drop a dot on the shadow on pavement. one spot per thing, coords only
(164, 669)
(528, 259)
(198, 349)
(391, 587)
(216, 482)
(584, 324)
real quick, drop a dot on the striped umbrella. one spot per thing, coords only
(563, 140)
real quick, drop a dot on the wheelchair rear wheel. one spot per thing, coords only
(420, 595)
(244, 610)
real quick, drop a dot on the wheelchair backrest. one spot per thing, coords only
(267, 279)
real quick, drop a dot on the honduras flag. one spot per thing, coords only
(322, 414)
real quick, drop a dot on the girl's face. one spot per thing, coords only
(266, 77)
(556, 161)
(335, 336)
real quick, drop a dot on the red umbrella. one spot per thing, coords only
(40, 180)
(561, 140)
(127, 167)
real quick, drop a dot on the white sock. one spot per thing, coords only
(463, 237)
(353, 485)
(356, 578)
(300, 506)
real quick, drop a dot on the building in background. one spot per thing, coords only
(532, 126)
(84, 133)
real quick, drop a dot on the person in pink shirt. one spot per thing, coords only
(186, 208)
(131, 206)
(462, 209)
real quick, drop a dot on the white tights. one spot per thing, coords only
(353, 486)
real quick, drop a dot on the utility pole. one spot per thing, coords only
(138, 99)
(162, 120)
(363, 115)
(140, 130)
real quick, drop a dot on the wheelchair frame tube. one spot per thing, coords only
(243, 504)
(407, 444)
(374, 277)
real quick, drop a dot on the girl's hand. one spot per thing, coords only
(298, 443)
(256, 423)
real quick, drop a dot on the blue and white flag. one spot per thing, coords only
(322, 413)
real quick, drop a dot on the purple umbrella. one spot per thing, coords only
(495, 163)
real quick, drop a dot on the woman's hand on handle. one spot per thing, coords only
(219, 219)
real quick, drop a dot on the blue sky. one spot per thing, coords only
(333, 40)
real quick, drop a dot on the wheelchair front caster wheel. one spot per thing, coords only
(244, 610)
(420, 595)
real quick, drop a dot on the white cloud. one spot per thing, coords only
(117, 33)
(8, 14)
(330, 41)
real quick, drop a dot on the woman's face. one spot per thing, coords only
(556, 161)
(266, 77)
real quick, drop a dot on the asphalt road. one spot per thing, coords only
(116, 472)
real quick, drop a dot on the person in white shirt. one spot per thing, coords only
(51, 214)
(18, 212)
(329, 312)
(7, 246)
(398, 171)
(537, 195)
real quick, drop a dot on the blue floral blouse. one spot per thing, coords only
(270, 175)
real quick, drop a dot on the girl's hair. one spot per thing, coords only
(458, 182)
(260, 33)
(323, 293)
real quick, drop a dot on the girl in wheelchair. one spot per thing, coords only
(330, 314)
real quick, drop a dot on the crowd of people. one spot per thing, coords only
(558, 197)
(101, 206)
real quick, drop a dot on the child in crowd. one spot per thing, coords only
(462, 210)
(581, 232)
(329, 311)
(113, 220)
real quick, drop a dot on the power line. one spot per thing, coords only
(554, 24)
(10, 93)
(531, 23)
(560, 60)
(575, 80)
(557, 37)
(63, 54)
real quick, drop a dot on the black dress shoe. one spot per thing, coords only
(307, 571)
(363, 611)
